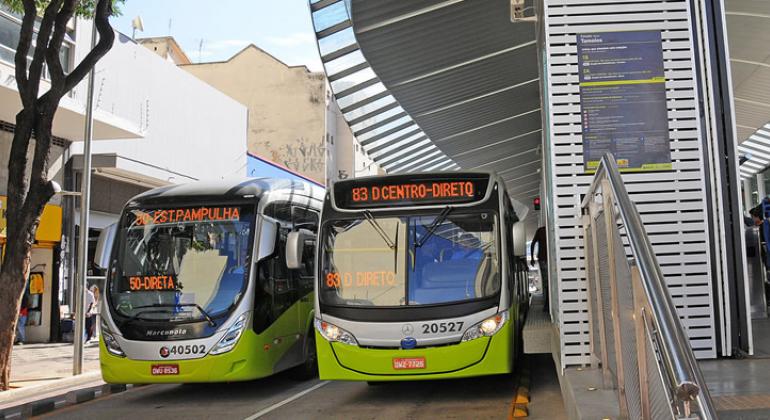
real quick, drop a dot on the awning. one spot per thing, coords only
(123, 169)
(441, 85)
(97, 219)
(749, 43)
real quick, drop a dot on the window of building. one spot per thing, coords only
(10, 26)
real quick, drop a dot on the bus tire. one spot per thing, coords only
(309, 368)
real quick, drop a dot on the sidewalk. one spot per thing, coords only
(40, 364)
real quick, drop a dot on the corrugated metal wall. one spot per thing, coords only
(672, 204)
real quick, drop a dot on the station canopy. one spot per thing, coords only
(749, 43)
(430, 85)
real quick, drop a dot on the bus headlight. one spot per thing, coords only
(332, 332)
(230, 339)
(487, 327)
(110, 342)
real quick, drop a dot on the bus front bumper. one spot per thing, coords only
(239, 364)
(483, 356)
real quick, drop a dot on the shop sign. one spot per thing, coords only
(49, 229)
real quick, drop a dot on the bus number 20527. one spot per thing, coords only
(442, 327)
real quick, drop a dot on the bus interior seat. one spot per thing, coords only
(446, 281)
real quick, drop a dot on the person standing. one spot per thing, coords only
(94, 313)
(541, 241)
(90, 301)
(21, 324)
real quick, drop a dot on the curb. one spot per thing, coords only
(65, 399)
(519, 405)
(8, 397)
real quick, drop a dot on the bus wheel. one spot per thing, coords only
(309, 368)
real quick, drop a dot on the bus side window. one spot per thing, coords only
(307, 219)
(511, 257)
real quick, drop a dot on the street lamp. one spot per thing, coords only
(64, 193)
(85, 204)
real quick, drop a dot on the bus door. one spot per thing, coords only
(306, 219)
(277, 292)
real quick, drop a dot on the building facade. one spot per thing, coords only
(154, 124)
(293, 119)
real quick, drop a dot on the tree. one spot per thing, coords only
(29, 188)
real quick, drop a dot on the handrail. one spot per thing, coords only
(676, 353)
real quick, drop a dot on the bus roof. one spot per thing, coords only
(223, 190)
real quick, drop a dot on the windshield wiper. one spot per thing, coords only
(391, 244)
(174, 305)
(136, 315)
(432, 228)
(379, 230)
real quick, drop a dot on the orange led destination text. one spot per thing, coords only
(139, 283)
(375, 193)
(361, 279)
(203, 214)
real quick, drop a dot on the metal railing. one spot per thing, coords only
(636, 335)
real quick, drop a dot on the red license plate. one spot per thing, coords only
(165, 370)
(408, 363)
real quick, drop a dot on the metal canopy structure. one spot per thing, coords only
(749, 43)
(437, 84)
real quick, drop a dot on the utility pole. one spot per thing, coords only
(85, 205)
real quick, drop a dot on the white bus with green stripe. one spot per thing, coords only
(211, 282)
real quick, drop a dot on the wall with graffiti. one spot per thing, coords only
(287, 108)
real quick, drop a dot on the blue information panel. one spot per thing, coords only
(623, 100)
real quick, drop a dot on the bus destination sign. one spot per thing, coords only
(400, 193)
(182, 215)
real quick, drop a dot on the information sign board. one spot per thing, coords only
(623, 100)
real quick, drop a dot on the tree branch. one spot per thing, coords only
(40, 187)
(41, 45)
(54, 46)
(25, 41)
(106, 38)
(17, 163)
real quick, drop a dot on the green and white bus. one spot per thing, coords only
(210, 282)
(415, 279)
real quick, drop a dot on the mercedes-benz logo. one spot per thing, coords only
(164, 352)
(407, 329)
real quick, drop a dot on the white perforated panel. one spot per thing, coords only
(672, 204)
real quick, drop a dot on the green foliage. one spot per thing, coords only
(84, 8)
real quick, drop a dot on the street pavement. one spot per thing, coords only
(280, 397)
(39, 364)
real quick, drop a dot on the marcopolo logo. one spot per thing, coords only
(165, 333)
(164, 352)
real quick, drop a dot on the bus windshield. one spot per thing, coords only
(182, 264)
(410, 260)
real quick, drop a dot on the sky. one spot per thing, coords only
(281, 27)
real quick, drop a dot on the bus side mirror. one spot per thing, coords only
(104, 246)
(295, 245)
(267, 239)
